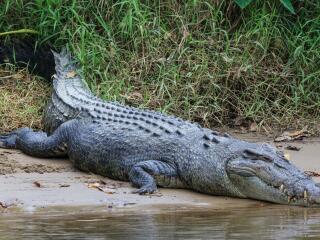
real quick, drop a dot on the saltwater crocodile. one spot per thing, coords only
(151, 149)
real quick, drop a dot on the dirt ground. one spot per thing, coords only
(28, 184)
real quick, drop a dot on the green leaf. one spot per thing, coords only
(288, 5)
(243, 3)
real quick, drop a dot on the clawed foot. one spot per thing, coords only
(9, 140)
(148, 189)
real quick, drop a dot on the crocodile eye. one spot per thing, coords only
(280, 153)
(254, 155)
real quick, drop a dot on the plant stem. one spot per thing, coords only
(31, 31)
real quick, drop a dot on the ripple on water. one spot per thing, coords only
(266, 222)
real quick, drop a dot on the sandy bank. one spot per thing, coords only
(30, 183)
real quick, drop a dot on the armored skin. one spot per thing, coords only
(151, 149)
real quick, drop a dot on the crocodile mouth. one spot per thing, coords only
(267, 181)
(285, 192)
(249, 172)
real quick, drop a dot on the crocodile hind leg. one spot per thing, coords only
(9, 140)
(37, 144)
(147, 175)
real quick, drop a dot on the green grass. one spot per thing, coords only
(22, 99)
(205, 61)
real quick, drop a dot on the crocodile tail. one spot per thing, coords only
(27, 53)
(64, 63)
(66, 70)
(70, 93)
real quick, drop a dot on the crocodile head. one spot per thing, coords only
(261, 172)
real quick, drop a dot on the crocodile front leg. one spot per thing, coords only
(147, 175)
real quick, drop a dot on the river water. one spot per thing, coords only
(265, 222)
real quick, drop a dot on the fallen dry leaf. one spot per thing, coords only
(129, 203)
(157, 194)
(37, 184)
(101, 186)
(134, 97)
(102, 182)
(94, 185)
(3, 205)
(108, 190)
(253, 127)
(71, 74)
(287, 156)
(292, 136)
(293, 148)
(9, 203)
(312, 173)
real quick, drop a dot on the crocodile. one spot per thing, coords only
(151, 149)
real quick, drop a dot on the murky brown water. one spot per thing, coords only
(265, 222)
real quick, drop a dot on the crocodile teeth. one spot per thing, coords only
(305, 195)
(281, 188)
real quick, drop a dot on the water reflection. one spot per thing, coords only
(268, 222)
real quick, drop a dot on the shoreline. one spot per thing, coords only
(30, 184)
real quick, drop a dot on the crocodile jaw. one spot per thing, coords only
(263, 173)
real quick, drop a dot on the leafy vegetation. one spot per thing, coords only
(285, 3)
(206, 61)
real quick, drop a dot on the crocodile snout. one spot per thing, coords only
(263, 173)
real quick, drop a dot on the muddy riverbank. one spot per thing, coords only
(28, 183)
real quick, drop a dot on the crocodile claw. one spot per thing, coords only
(8, 140)
(148, 189)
